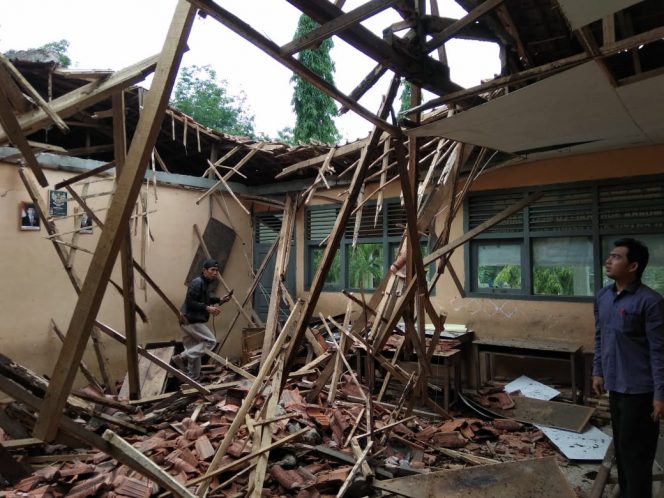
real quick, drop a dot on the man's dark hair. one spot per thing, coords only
(636, 252)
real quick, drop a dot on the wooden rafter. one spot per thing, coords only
(280, 267)
(340, 23)
(546, 69)
(472, 16)
(424, 71)
(34, 94)
(272, 49)
(126, 257)
(15, 134)
(119, 212)
(339, 226)
(84, 97)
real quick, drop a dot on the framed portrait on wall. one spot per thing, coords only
(84, 223)
(29, 219)
(57, 203)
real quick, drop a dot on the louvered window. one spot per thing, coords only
(267, 227)
(367, 245)
(550, 249)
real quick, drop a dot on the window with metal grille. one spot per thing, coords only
(267, 227)
(554, 248)
(361, 265)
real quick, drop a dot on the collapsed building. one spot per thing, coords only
(497, 204)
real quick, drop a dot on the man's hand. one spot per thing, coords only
(657, 410)
(213, 310)
(227, 297)
(598, 385)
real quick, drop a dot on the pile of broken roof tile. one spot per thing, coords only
(183, 435)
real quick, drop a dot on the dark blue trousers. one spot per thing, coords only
(635, 442)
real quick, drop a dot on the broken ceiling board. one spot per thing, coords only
(582, 13)
(531, 388)
(644, 100)
(151, 376)
(548, 413)
(219, 240)
(522, 479)
(591, 444)
(576, 106)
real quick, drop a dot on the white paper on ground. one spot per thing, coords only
(531, 388)
(588, 445)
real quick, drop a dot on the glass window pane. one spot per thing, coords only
(653, 277)
(365, 266)
(562, 266)
(333, 275)
(498, 266)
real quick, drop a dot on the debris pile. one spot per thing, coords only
(314, 449)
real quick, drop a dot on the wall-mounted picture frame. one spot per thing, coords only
(57, 203)
(84, 223)
(28, 217)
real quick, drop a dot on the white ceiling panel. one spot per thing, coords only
(644, 101)
(582, 12)
(578, 105)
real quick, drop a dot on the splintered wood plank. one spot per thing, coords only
(523, 479)
(249, 399)
(85, 96)
(339, 228)
(15, 134)
(126, 258)
(119, 212)
(549, 413)
(34, 94)
(151, 377)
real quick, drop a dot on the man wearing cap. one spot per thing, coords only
(196, 310)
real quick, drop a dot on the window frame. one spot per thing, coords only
(345, 245)
(599, 191)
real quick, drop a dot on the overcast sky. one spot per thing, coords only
(117, 33)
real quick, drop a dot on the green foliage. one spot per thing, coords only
(285, 136)
(406, 93)
(553, 280)
(60, 48)
(199, 94)
(366, 266)
(334, 274)
(508, 277)
(314, 109)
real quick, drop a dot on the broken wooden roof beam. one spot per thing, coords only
(85, 96)
(332, 27)
(34, 94)
(273, 50)
(340, 223)
(129, 186)
(420, 69)
(544, 70)
(14, 133)
(280, 268)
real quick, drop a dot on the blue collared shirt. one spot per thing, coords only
(629, 340)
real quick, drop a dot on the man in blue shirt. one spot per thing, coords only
(629, 364)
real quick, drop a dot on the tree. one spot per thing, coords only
(314, 109)
(406, 93)
(60, 48)
(199, 94)
(366, 266)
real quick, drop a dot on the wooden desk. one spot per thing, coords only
(444, 364)
(525, 348)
